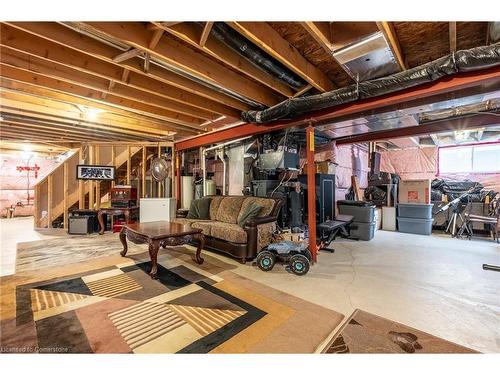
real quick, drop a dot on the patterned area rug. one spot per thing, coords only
(35, 255)
(367, 333)
(111, 305)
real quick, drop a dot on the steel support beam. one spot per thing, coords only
(428, 92)
(311, 192)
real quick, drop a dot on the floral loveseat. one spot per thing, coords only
(223, 234)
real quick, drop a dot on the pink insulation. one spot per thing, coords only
(14, 183)
(351, 160)
(419, 163)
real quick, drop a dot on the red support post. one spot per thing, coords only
(311, 192)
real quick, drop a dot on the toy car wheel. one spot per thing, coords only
(266, 260)
(308, 255)
(299, 264)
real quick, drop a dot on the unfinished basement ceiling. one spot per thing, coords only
(402, 118)
(183, 79)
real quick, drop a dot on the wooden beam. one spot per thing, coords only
(318, 36)
(65, 194)
(205, 33)
(98, 183)
(73, 41)
(390, 36)
(143, 172)
(91, 183)
(189, 33)
(302, 91)
(263, 35)
(147, 57)
(125, 74)
(36, 207)
(157, 34)
(134, 52)
(129, 164)
(30, 45)
(126, 116)
(177, 110)
(452, 26)
(105, 123)
(187, 60)
(113, 161)
(81, 187)
(158, 184)
(80, 91)
(50, 199)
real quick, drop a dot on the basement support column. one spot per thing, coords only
(311, 192)
(129, 166)
(113, 162)
(65, 195)
(98, 183)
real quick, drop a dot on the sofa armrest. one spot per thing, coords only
(181, 212)
(260, 220)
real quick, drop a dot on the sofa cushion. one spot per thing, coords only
(199, 209)
(182, 220)
(205, 227)
(214, 206)
(250, 212)
(229, 209)
(266, 204)
(228, 232)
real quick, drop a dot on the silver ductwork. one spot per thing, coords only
(369, 58)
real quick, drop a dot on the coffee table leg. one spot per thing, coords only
(123, 239)
(154, 246)
(201, 244)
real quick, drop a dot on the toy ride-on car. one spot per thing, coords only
(295, 255)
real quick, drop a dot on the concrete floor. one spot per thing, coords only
(435, 284)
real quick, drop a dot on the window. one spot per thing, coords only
(470, 159)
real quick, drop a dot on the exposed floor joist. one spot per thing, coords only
(189, 33)
(390, 36)
(184, 58)
(268, 39)
(66, 37)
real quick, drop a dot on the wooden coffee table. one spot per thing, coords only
(161, 234)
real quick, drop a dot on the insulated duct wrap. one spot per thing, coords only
(461, 61)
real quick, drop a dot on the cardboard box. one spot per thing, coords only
(415, 191)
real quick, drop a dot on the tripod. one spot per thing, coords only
(458, 209)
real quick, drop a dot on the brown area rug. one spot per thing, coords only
(35, 255)
(111, 305)
(367, 333)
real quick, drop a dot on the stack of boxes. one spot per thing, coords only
(414, 208)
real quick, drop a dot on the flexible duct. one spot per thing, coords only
(241, 45)
(460, 61)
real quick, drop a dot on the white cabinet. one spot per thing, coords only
(157, 209)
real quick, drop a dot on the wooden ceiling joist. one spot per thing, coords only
(390, 36)
(452, 28)
(134, 52)
(59, 97)
(186, 59)
(321, 36)
(73, 40)
(268, 39)
(190, 33)
(85, 91)
(205, 33)
(104, 121)
(35, 46)
(179, 110)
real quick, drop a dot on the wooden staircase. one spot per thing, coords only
(61, 191)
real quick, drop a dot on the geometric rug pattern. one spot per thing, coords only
(118, 308)
(367, 333)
